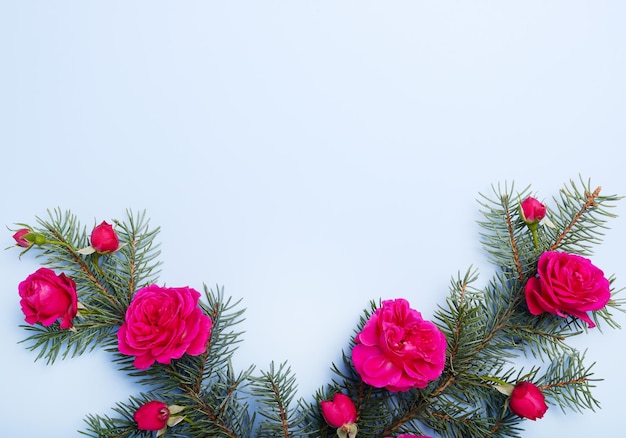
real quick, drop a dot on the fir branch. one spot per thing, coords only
(568, 382)
(225, 314)
(581, 216)
(220, 409)
(121, 426)
(138, 265)
(274, 391)
(53, 343)
(502, 225)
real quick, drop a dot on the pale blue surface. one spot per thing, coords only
(309, 156)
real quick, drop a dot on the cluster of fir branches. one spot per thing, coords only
(489, 330)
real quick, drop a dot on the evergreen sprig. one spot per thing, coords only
(491, 337)
(274, 391)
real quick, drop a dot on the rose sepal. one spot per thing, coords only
(347, 430)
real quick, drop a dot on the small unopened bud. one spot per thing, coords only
(532, 210)
(20, 238)
(104, 239)
(527, 401)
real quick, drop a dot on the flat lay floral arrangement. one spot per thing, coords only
(487, 360)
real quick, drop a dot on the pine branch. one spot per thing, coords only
(581, 215)
(53, 343)
(121, 426)
(568, 382)
(220, 409)
(503, 236)
(138, 264)
(274, 390)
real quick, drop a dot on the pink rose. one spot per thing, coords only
(19, 238)
(528, 401)
(340, 411)
(104, 239)
(568, 284)
(152, 416)
(399, 350)
(532, 210)
(163, 324)
(47, 297)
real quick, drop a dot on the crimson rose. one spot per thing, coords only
(152, 415)
(528, 401)
(104, 239)
(340, 411)
(533, 211)
(399, 350)
(568, 284)
(20, 239)
(46, 297)
(163, 324)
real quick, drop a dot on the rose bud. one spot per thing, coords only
(46, 297)
(20, 239)
(532, 210)
(27, 238)
(152, 416)
(528, 401)
(340, 413)
(104, 239)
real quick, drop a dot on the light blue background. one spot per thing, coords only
(309, 156)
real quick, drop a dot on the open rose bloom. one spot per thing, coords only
(163, 324)
(567, 284)
(398, 350)
(47, 297)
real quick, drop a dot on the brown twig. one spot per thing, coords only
(282, 412)
(509, 226)
(562, 384)
(590, 202)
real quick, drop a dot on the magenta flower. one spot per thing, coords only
(533, 211)
(567, 284)
(340, 413)
(398, 350)
(152, 416)
(20, 239)
(528, 401)
(104, 239)
(163, 324)
(47, 297)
